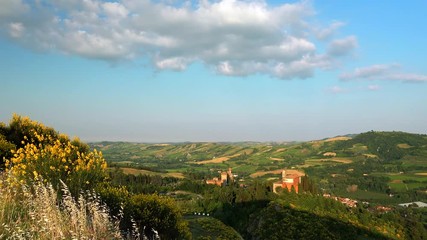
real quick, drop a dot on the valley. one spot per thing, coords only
(382, 167)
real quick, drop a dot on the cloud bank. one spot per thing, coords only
(388, 72)
(231, 37)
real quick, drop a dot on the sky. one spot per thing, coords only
(225, 70)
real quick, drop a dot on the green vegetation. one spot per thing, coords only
(353, 167)
(208, 228)
(51, 186)
(386, 163)
(155, 189)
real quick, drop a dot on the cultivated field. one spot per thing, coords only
(135, 171)
(218, 159)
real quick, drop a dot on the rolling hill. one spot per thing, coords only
(380, 164)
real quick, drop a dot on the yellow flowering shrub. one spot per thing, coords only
(23, 127)
(54, 157)
(5, 148)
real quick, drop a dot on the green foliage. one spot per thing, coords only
(5, 149)
(414, 222)
(363, 165)
(279, 221)
(141, 183)
(114, 197)
(211, 228)
(42, 153)
(20, 127)
(386, 144)
(154, 213)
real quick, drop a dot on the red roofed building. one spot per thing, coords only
(288, 181)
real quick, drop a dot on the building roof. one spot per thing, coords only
(419, 204)
(292, 176)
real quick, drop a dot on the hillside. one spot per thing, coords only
(376, 164)
(376, 168)
(160, 189)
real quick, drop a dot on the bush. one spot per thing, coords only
(115, 197)
(53, 157)
(153, 213)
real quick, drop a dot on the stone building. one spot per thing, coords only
(288, 181)
(224, 179)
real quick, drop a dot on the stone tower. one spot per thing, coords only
(283, 175)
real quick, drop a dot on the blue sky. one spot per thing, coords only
(170, 71)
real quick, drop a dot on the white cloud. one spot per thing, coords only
(342, 47)
(374, 87)
(175, 63)
(328, 32)
(16, 29)
(368, 72)
(115, 10)
(336, 90)
(233, 37)
(12, 9)
(407, 77)
(390, 72)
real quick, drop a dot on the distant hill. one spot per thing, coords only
(375, 163)
(390, 145)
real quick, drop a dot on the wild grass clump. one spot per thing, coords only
(35, 212)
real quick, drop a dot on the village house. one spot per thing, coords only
(383, 209)
(346, 201)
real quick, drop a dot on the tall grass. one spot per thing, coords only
(35, 212)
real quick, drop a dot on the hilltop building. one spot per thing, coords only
(288, 181)
(224, 179)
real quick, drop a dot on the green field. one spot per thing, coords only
(335, 163)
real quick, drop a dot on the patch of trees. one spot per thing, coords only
(385, 144)
(144, 214)
(279, 221)
(141, 183)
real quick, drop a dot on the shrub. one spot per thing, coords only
(115, 197)
(54, 160)
(153, 213)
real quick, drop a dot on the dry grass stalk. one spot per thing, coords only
(34, 212)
